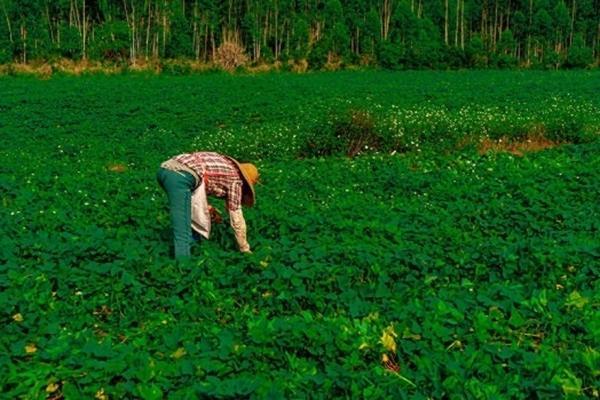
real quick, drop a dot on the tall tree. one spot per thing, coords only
(271, 30)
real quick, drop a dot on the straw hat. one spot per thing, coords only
(250, 176)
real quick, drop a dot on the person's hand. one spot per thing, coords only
(215, 216)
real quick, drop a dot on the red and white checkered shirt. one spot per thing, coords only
(220, 174)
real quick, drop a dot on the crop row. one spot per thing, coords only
(275, 116)
(406, 274)
(481, 271)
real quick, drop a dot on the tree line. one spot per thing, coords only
(388, 33)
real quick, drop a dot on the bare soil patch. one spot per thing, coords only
(118, 167)
(519, 147)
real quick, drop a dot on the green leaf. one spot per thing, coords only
(570, 384)
(576, 300)
(150, 392)
(516, 319)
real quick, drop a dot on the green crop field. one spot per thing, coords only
(393, 256)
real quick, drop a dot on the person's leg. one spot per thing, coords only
(196, 237)
(178, 186)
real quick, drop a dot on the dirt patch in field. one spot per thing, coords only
(529, 144)
(117, 167)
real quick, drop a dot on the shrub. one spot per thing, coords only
(390, 55)
(230, 54)
(176, 67)
(455, 57)
(5, 52)
(349, 133)
(476, 53)
(317, 57)
(112, 42)
(552, 59)
(504, 60)
(70, 44)
(580, 55)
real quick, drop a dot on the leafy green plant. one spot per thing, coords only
(422, 274)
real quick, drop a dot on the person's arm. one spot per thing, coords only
(236, 216)
(238, 223)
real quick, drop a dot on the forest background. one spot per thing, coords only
(299, 35)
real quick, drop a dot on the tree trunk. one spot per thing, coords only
(276, 31)
(446, 21)
(386, 15)
(495, 27)
(230, 6)
(50, 30)
(206, 42)
(508, 16)
(10, 34)
(573, 11)
(462, 25)
(147, 50)
(287, 43)
(128, 25)
(133, 35)
(596, 49)
(164, 29)
(24, 41)
(196, 39)
(456, 27)
(483, 19)
(214, 47)
(529, 34)
(76, 16)
(265, 30)
(84, 33)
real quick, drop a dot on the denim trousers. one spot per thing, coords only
(179, 185)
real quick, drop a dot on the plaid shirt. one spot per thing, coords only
(220, 175)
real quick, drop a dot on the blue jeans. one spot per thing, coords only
(179, 186)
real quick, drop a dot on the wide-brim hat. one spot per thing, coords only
(249, 174)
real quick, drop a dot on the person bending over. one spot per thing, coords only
(222, 177)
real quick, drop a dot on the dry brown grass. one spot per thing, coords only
(83, 66)
(334, 62)
(143, 65)
(299, 66)
(200, 66)
(367, 61)
(530, 144)
(263, 68)
(231, 54)
(45, 70)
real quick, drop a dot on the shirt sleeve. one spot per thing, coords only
(238, 223)
(234, 196)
